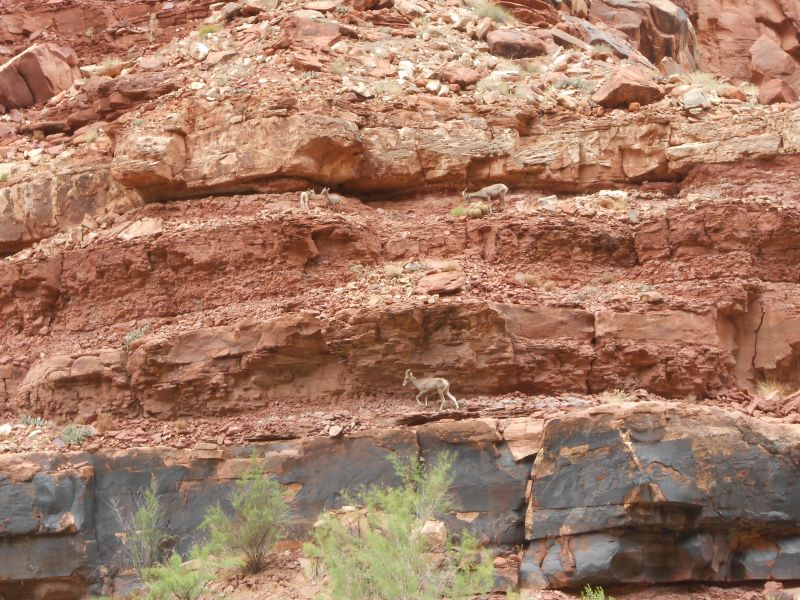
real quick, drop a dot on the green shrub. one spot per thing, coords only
(143, 528)
(388, 559)
(458, 211)
(259, 518)
(75, 435)
(134, 335)
(597, 593)
(173, 579)
(208, 29)
(494, 11)
(35, 421)
(3, 177)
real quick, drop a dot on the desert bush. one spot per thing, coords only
(494, 11)
(614, 397)
(766, 387)
(388, 559)
(598, 593)
(549, 286)
(143, 527)
(458, 211)
(257, 521)
(393, 270)
(3, 177)
(208, 29)
(134, 335)
(75, 435)
(526, 279)
(28, 420)
(708, 81)
(582, 85)
(174, 579)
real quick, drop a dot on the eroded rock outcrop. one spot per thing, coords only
(62, 517)
(659, 492)
(36, 75)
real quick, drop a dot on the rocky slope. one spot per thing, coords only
(160, 282)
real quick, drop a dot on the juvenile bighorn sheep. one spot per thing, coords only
(304, 199)
(430, 384)
(333, 201)
(489, 193)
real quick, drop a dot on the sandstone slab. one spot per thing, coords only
(628, 84)
(36, 75)
(515, 44)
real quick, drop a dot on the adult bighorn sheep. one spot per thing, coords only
(489, 193)
(430, 384)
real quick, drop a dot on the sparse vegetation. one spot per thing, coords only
(767, 387)
(494, 11)
(602, 49)
(104, 422)
(357, 268)
(526, 279)
(207, 29)
(30, 421)
(174, 579)
(578, 83)
(707, 81)
(413, 266)
(309, 75)
(3, 177)
(90, 136)
(134, 335)
(387, 88)
(458, 211)
(144, 536)
(598, 593)
(451, 265)
(75, 435)
(393, 270)
(89, 32)
(338, 66)
(476, 210)
(549, 286)
(387, 558)
(490, 84)
(606, 278)
(258, 519)
(614, 397)
(341, 10)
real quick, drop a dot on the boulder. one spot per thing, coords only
(310, 28)
(447, 282)
(455, 72)
(515, 44)
(775, 91)
(658, 492)
(629, 83)
(657, 28)
(769, 60)
(36, 75)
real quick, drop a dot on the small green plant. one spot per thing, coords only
(258, 520)
(590, 593)
(138, 122)
(75, 435)
(458, 211)
(89, 32)
(30, 421)
(767, 387)
(614, 397)
(414, 266)
(388, 559)
(134, 335)
(3, 177)
(393, 270)
(451, 265)
(526, 279)
(90, 136)
(357, 268)
(494, 11)
(174, 579)
(549, 286)
(341, 10)
(207, 29)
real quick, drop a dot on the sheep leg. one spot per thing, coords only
(453, 398)
(441, 395)
(426, 398)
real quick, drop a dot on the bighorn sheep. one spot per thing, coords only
(304, 200)
(333, 201)
(430, 384)
(489, 193)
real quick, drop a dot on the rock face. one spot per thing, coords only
(58, 513)
(657, 28)
(657, 492)
(626, 85)
(36, 75)
(515, 44)
(727, 30)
